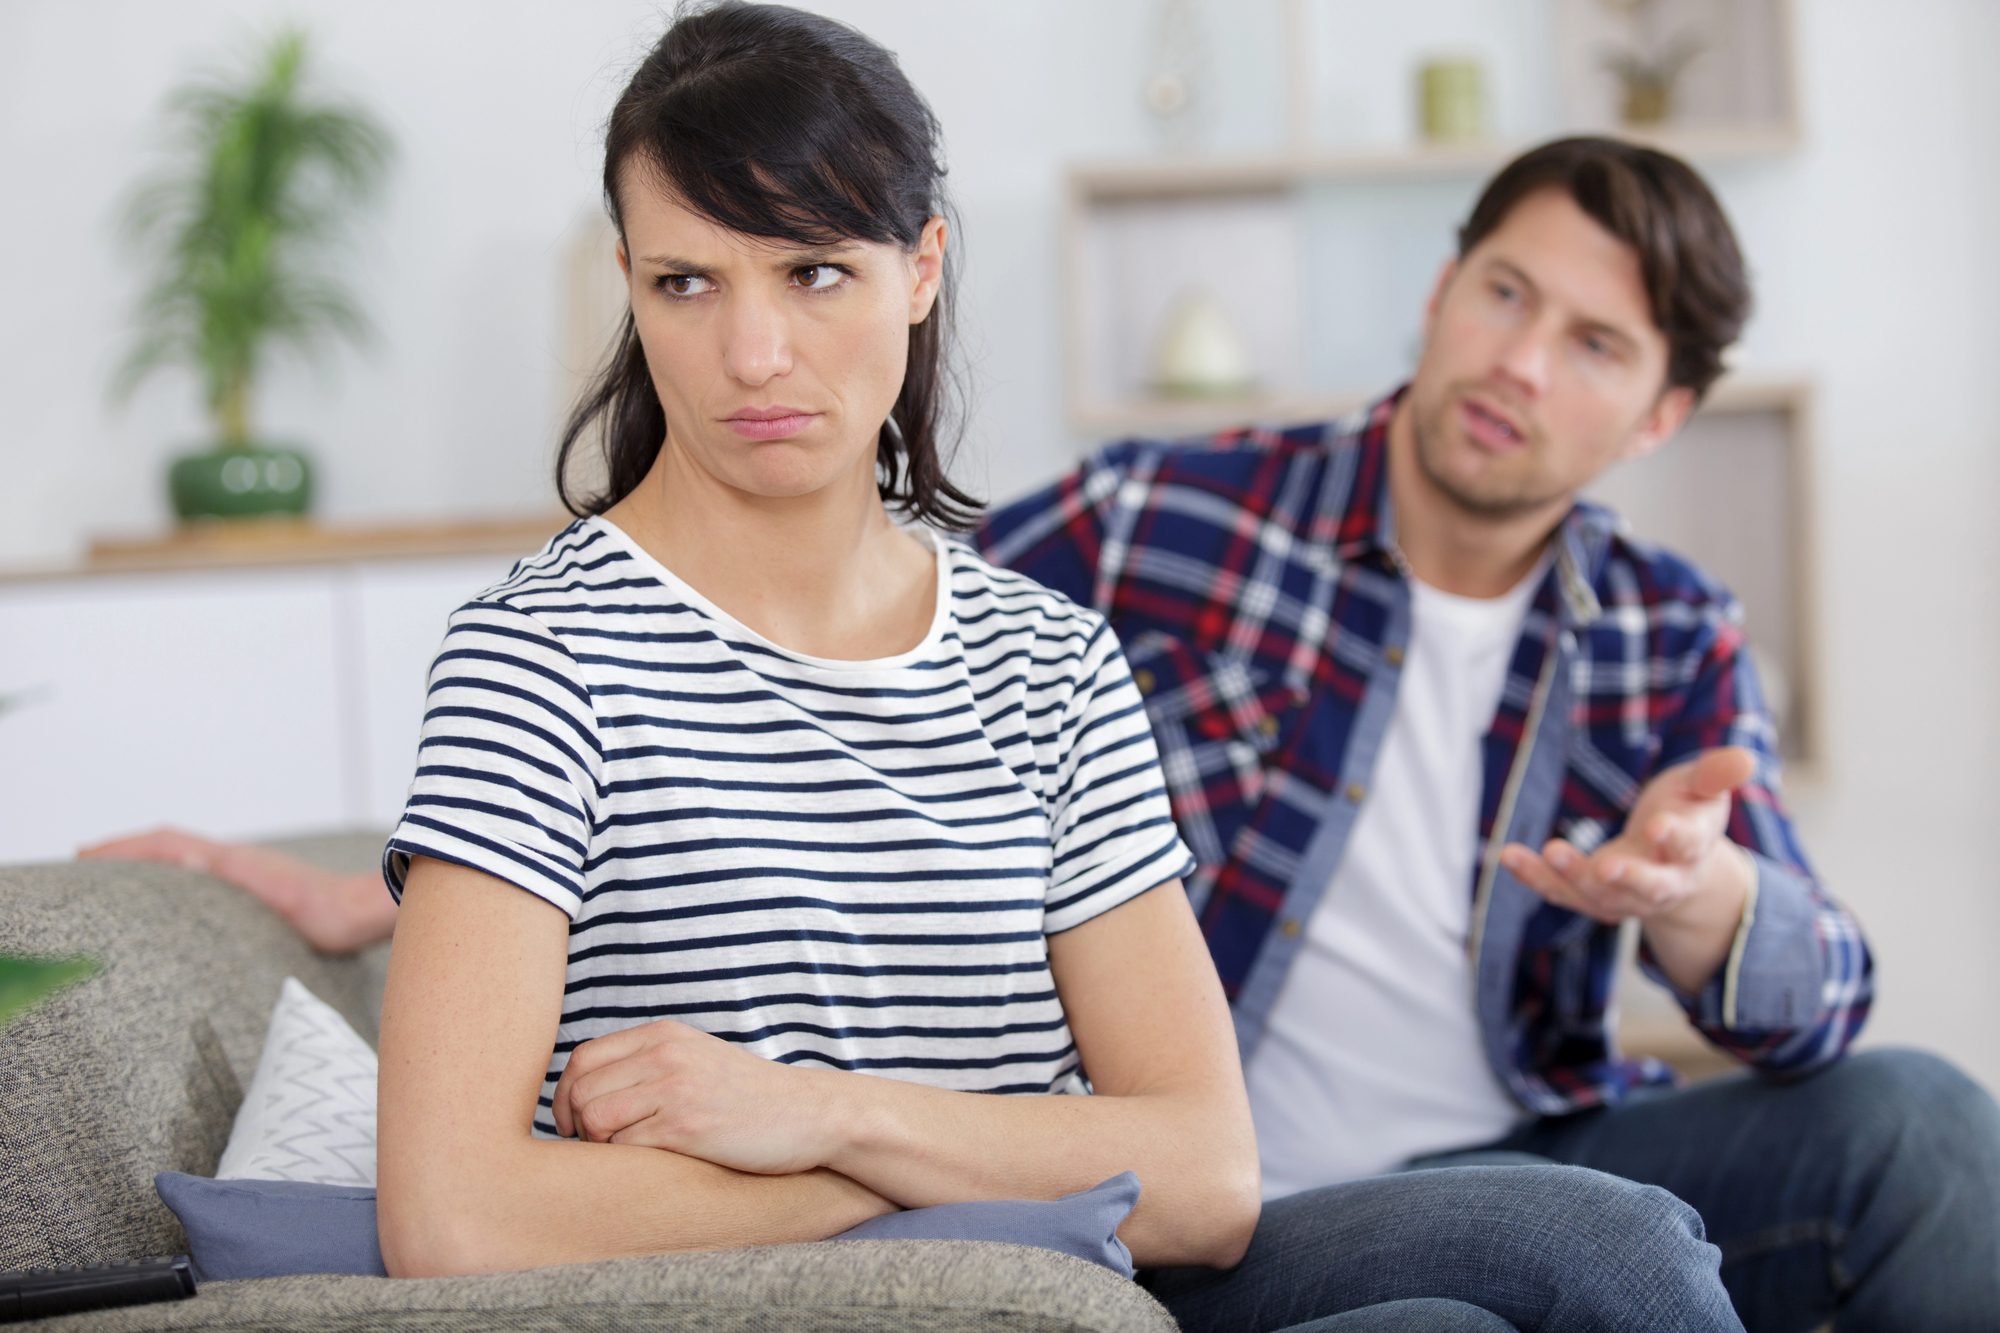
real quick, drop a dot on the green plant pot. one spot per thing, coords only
(241, 483)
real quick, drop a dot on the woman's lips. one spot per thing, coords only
(770, 423)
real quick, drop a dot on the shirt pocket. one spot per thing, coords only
(1215, 719)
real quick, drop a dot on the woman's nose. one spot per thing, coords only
(759, 346)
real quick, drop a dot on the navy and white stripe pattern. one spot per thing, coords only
(842, 864)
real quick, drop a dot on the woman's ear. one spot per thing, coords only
(624, 260)
(928, 263)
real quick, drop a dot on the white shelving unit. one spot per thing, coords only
(1304, 242)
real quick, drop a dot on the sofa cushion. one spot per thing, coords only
(139, 1069)
(911, 1286)
(309, 1114)
(274, 1228)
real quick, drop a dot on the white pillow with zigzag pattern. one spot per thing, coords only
(310, 1113)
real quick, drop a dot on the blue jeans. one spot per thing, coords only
(1551, 1248)
(1867, 1193)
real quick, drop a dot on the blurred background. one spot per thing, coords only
(1176, 214)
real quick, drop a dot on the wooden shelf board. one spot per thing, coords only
(254, 543)
(1276, 173)
(1173, 418)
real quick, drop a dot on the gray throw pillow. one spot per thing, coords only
(1084, 1224)
(273, 1228)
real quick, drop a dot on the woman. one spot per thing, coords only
(824, 826)
(769, 766)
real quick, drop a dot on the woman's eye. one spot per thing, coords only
(818, 277)
(684, 284)
(1504, 292)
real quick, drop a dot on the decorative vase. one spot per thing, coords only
(1452, 99)
(1201, 354)
(240, 482)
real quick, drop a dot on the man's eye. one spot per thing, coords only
(1598, 347)
(818, 277)
(684, 284)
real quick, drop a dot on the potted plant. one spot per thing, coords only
(242, 229)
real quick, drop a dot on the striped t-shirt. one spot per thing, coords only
(843, 864)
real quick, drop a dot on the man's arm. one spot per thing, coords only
(1767, 966)
(1150, 1023)
(469, 1017)
(335, 913)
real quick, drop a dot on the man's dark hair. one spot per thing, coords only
(1656, 204)
(784, 125)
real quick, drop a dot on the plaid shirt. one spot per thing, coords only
(1255, 582)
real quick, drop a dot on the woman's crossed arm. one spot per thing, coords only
(693, 1143)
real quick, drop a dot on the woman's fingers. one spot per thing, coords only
(603, 1068)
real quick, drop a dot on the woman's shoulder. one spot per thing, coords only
(997, 608)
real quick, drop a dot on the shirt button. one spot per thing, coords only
(1144, 680)
(1355, 791)
(1290, 926)
(1268, 725)
(1393, 654)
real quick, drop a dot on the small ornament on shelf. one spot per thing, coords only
(1201, 354)
(1649, 70)
(1452, 100)
(1173, 90)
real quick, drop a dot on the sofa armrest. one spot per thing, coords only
(902, 1286)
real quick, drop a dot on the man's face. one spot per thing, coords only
(1542, 365)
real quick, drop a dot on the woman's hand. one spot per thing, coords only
(667, 1085)
(335, 913)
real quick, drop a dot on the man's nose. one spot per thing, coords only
(1527, 356)
(759, 342)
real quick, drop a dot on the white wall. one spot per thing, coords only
(1872, 248)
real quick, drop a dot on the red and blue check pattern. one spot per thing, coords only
(1253, 578)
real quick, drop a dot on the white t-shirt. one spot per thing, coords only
(1372, 1053)
(849, 865)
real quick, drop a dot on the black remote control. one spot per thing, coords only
(41, 1292)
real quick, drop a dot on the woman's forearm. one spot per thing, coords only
(536, 1202)
(1154, 1035)
(919, 1146)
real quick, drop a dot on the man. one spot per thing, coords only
(1434, 729)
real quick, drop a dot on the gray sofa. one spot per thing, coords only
(141, 1068)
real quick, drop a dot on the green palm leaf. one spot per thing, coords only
(25, 982)
(247, 226)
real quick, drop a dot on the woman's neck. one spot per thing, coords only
(825, 574)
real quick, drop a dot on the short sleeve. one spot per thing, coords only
(1112, 829)
(507, 766)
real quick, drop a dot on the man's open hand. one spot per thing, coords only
(1671, 867)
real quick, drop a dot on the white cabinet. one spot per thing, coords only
(241, 703)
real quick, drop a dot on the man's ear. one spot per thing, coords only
(1668, 414)
(928, 262)
(1444, 278)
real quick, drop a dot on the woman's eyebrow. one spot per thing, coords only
(675, 264)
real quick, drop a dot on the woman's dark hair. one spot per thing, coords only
(785, 125)
(1656, 204)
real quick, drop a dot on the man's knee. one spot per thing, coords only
(1909, 1100)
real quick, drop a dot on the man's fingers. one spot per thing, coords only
(1541, 873)
(161, 844)
(1719, 772)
